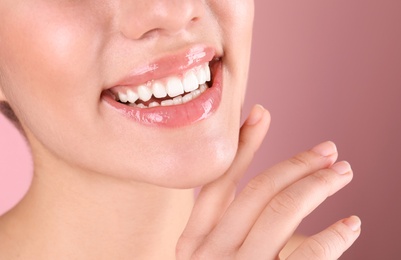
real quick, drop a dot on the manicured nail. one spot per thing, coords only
(341, 167)
(325, 149)
(255, 115)
(353, 222)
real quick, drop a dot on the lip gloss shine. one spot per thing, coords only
(176, 115)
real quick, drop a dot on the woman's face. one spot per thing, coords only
(77, 73)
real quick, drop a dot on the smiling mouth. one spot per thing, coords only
(169, 91)
(173, 91)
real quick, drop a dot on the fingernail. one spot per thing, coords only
(341, 167)
(256, 115)
(325, 149)
(353, 222)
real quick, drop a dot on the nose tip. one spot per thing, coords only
(164, 17)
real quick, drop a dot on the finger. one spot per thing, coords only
(331, 243)
(215, 197)
(285, 211)
(233, 228)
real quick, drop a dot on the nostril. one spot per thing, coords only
(151, 33)
(195, 19)
(147, 19)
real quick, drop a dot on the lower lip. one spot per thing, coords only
(191, 112)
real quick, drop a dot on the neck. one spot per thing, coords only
(69, 215)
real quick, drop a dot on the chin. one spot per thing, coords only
(181, 158)
(191, 170)
(174, 168)
(197, 155)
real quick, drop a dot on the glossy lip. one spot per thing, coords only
(167, 66)
(178, 115)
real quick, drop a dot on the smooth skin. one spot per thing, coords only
(105, 187)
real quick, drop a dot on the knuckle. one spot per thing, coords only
(261, 182)
(328, 246)
(339, 237)
(319, 249)
(285, 203)
(244, 143)
(321, 179)
(323, 183)
(300, 160)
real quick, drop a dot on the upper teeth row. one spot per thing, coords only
(172, 86)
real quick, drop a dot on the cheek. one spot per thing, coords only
(235, 16)
(236, 24)
(48, 68)
(46, 48)
(47, 60)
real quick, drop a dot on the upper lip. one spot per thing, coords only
(172, 64)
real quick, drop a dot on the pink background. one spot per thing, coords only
(326, 70)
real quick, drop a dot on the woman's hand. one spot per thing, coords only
(258, 222)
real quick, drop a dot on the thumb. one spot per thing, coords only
(215, 197)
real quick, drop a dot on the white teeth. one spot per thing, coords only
(174, 87)
(202, 88)
(201, 76)
(154, 104)
(122, 97)
(190, 81)
(169, 102)
(144, 93)
(196, 93)
(177, 100)
(158, 90)
(187, 97)
(132, 96)
(206, 68)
